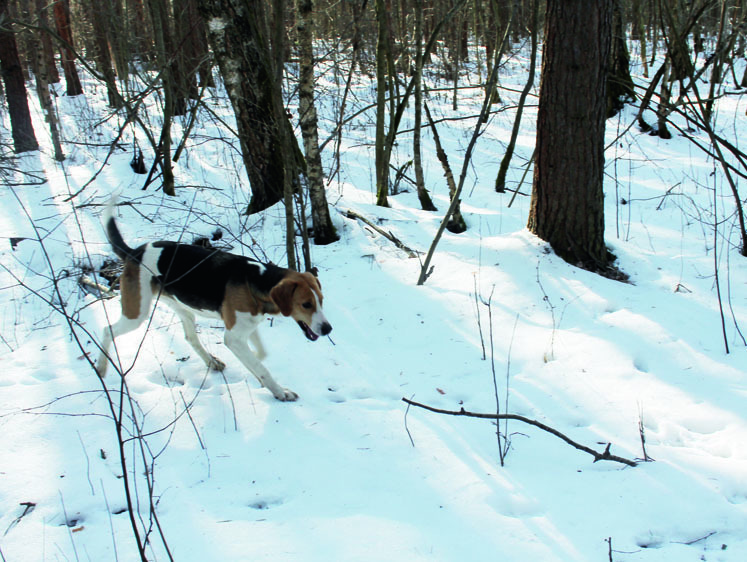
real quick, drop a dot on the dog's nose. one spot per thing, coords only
(326, 328)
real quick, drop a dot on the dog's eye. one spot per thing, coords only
(306, 305)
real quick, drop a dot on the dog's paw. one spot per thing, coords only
(216, 364)
(286, 395)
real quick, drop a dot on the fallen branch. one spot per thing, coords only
(388, 235)
(104, 292)
(603, 456)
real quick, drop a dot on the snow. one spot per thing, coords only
(349, 472)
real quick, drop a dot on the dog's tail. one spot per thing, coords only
(119, 246)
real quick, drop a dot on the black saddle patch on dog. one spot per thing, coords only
(198, 276)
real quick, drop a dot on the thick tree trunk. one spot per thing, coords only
(324, 231)
(567, 205)
(62, 22)
(15, 89)
(99, 19)
(236, 33)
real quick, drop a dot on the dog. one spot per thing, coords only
(194, 280)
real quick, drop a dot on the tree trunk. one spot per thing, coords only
(41, 73)
(382, 54)
(567, 204)
(142, 43)
(174, 81)
(662, 110)
(500, 180)
(22, 129)
(62, 22)
(193, 37)
(159, 15)
(324, 231)
(425, 199)
(639, 32)
(98, 17)
(42, 8)
(620, 87)
(236, 33)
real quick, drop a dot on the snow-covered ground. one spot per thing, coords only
(347, 472)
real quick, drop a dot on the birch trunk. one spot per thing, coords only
(324, 231)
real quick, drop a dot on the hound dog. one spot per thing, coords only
(194, 280)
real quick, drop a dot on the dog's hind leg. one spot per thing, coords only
(135, 307)
(119, 328)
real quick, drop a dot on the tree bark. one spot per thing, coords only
(41, 73)
(567, 204)
(42, 10)
(382, 55)
(236, 33)
(97, 12)
(159, 15)
(620, 87)
(500, 180)
(62, 22)
(324, 231)
(426, 203)
(195, 58)
(21, 126)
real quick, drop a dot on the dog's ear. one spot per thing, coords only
(312, 278)
(282, 295)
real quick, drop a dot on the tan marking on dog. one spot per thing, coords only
(238, 298)
(129, 286)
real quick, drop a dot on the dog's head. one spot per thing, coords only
(299, 295)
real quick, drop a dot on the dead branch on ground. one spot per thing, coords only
(603, 456)
(388, 235)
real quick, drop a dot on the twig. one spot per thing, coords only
(88, 463)
(642, 432)
(407, 429)
(603, 456)
(388, 235)
(69, 524)
(192, 421)
(688, 543)
(28, 507)
(111, 523)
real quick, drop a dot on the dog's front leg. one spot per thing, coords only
(236, 341)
